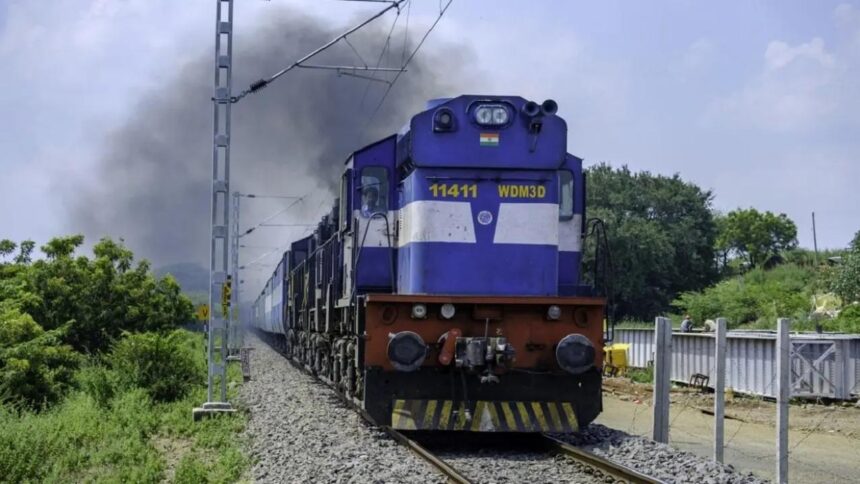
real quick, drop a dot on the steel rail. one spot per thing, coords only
(440, 465)
(605, 466)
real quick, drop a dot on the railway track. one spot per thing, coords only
(604, 466)
(601, 469)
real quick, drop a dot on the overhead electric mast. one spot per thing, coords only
(219, 250)
(218, 328)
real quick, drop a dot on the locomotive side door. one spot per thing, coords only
(374, 213)
(346, 236)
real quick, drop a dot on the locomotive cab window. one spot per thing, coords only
(374, 190)
(565, 195)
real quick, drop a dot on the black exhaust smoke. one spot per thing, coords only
(152, 183)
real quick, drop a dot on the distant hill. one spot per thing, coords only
(193, 278)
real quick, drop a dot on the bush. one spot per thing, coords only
(846, 280)
(166, 366)
(757, 296)
(38, 372)
(191, 471)
(99, 382)
(78, 441)
(848, 320)
(17, 327)
(641, 375)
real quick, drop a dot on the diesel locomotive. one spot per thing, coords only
(443, 291)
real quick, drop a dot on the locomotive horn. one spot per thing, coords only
(531, 109)
(549, 107)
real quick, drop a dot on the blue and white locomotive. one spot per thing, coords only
(443, 290)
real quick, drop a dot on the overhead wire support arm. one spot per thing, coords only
(271, 217)
(252, 195)
(353, 68)
(261, 83)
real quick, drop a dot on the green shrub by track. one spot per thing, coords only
(113, 431)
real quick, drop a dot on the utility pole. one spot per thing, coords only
(814, 239)
(216, 350)
(234, 341)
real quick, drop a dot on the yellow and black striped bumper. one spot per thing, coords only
(484, 416)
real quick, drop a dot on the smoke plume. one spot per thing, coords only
(152, 186)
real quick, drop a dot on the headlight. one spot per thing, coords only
(492, 115)
(419, 311)
(448, 310)
(484, 115)
(575, 353)
(500, 115)
(406, 351)
(553, 313)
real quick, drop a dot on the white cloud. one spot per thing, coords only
(699, 54)
(779, 54)
(800, 88)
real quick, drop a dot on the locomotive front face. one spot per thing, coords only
(443, 291)
(487, 203)
(488, 329)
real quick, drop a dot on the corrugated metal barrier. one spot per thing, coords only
(823, 365)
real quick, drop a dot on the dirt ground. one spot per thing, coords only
(824, 439)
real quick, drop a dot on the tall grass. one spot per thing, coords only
(98, 435)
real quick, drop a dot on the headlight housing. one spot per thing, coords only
(492, 115)
(575, 354)
(447, 311)
(443, 120)
(406, 351)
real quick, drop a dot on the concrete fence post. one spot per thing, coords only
(719, 389)
(662, 375)
(783, 394)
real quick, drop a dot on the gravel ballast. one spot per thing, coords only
(299, 431)
(517, 466)
(655, 459)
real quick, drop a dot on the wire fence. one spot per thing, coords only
(749, 415)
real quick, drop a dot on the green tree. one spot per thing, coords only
(846, 280)
(7, 247)
(756, 236)
(661, 235)
(25, 249)
(855, 242)
(97, 298)
(36, 368)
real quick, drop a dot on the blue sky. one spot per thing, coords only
(757, 101)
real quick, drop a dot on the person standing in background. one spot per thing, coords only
(687, 324)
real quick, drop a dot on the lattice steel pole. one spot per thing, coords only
(234, 341)
(222, 99)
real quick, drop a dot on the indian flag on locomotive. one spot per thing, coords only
(489, 139)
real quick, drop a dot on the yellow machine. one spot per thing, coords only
(615, 359)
